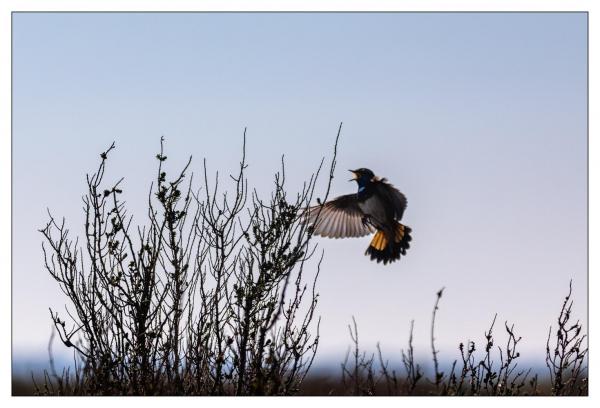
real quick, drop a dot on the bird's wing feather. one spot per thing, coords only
(393, 196)
(338, 218)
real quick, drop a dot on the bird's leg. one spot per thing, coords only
(365, 220)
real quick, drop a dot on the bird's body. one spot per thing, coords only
(376, 207)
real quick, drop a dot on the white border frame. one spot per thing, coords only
(8, 6)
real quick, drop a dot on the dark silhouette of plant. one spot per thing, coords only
(566, 361)
(479, 375)
(475, 374)
(359, 378)
(207, 297)
(439, 376)
(413, 371)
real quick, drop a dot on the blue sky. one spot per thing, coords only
(480, 119)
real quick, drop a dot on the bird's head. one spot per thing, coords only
(362, 176)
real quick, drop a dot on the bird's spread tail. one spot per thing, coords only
(382, 248)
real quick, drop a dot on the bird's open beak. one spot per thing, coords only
(354, 175)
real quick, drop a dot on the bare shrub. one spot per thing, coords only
(208, 296)
(566, 361)
(359, 377)
(492, 372)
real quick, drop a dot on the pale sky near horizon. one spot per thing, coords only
(480, 119)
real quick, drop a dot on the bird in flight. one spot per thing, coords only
(376, 207)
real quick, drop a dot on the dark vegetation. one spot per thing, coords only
(492, 371)
(208, 296)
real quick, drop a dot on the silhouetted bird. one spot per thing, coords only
(377, 206)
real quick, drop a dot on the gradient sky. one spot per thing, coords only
(480, 119)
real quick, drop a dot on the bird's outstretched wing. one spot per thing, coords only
(338, 218)
(393, 196)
